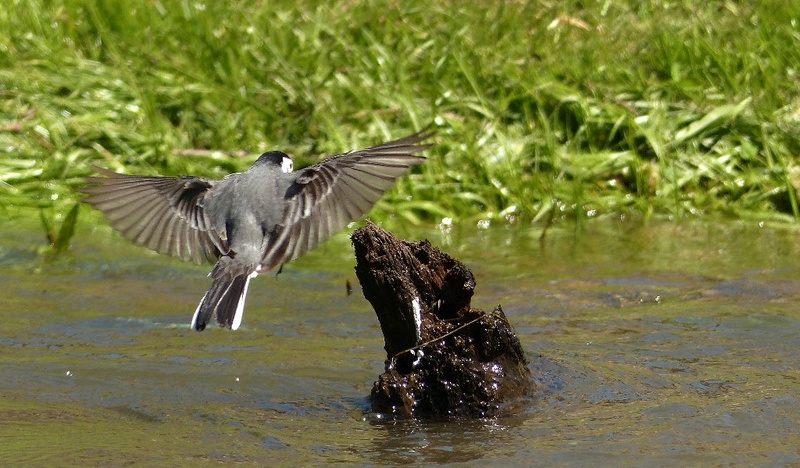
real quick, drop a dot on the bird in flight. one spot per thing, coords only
(250, 222)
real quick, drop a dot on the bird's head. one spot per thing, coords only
(276, 159)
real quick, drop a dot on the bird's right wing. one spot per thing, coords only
(164, 214)
(327, 196)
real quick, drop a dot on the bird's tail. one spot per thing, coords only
(225, 299)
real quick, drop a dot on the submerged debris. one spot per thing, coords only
(444, 358)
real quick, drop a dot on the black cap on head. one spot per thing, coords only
(274, 157)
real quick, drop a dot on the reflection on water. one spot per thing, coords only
(670, 343)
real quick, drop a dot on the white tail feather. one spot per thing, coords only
(197, 312)
(237, 319)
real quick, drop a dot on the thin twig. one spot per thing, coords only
(202, 152)
(438, 338)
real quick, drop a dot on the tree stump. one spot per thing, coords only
(444, 358)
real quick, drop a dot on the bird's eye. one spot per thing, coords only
(287, 165)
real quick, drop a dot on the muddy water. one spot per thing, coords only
(668, 343)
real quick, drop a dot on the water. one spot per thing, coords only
(670, 343)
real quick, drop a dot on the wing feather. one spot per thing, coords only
(164, 214)
(325, 197)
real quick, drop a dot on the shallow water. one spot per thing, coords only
(668, 343)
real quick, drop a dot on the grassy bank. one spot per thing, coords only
(544, 109)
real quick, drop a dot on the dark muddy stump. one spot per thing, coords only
(444, 358)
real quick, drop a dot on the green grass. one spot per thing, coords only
(544, 110)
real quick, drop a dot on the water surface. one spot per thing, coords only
(665, 343)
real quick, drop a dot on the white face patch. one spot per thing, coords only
(287, 165)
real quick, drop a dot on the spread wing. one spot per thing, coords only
(327, 196)
(164, 214)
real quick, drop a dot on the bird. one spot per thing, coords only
(250, 222)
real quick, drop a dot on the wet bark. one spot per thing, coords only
(444, 358)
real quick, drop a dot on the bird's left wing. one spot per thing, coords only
(327, 196)
(164, 214)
